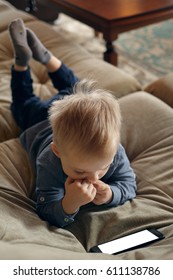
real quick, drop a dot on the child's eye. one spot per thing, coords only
(79, 172)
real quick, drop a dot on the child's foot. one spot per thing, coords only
(19, 39)
(40, 53)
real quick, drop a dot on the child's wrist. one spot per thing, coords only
(111, 197)
(67, 208)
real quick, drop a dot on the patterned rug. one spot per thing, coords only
(151, 47)
(146, 53)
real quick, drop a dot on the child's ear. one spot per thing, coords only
(54, 149)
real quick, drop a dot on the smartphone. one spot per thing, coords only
(129, 242)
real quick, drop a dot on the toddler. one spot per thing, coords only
(73, 139)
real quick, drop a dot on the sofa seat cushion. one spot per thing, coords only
(9, 13)
(162, 88)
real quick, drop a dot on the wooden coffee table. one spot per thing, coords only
(112, 17)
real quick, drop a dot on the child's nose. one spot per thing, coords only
(93, 177)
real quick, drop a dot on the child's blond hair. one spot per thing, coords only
(89, 120)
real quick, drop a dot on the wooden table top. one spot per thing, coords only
(112, 17)
(117, 9)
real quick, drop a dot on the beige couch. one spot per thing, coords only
(147, 135)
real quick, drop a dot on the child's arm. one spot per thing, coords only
(120, 179)
(50, 191)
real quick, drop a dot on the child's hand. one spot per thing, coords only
(77, 193)
(104, 193)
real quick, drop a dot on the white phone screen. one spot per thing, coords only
(127, 242)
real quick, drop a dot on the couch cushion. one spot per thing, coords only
(147, 124)
(162, 88)
(8, 13)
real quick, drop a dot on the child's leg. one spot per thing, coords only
(18, 37)
(26, 107)
(39, 52)
(62, 77)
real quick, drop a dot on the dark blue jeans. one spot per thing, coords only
(27, 108)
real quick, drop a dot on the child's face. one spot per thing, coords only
(91, 168)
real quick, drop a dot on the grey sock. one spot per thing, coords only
(18, 37)
(39, 51)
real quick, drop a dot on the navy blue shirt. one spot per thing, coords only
(50, 177)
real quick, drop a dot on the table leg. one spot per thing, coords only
(110, 55)
(31, 6)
